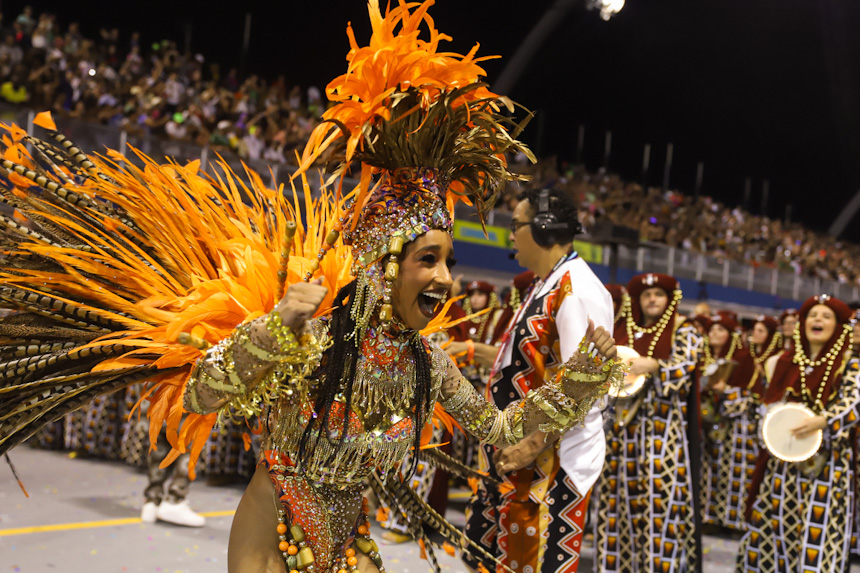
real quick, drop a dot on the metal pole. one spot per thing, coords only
(541, 32)
(607, 149)
(646, 164)
(788, 214)
(541, 118)
(274, 172)
(246, 43)
(580, 144)
(613, 262)
(189, 28)
(668, 167)
(670, 262)
(700, 172)
(123, 142)
(846, 214)
(31, 117)
(765, 191)
(747, 193)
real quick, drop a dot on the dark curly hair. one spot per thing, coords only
(561, 205)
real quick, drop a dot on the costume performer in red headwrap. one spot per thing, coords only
(800, 512)
(723, 351)
(741, 396)
(646, 519)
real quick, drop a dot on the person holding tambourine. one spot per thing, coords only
(723, 351)
(741, 395)
(802, 493)
(647, 511)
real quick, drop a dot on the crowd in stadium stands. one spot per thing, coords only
(159, 90)
(702, 225)
(151, 89)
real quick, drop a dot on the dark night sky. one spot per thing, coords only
(759, 88)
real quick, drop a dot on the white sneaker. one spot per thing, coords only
(179, 514)
(148, 512)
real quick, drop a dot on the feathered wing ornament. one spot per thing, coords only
(107, 265)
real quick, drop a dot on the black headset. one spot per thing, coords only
(546, 229)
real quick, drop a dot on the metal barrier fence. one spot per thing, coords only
(647, 257)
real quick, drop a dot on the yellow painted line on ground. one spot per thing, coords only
(91, 524)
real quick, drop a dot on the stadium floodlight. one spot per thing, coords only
(607, 8)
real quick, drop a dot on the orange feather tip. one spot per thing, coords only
(44, 120)
(16, 132)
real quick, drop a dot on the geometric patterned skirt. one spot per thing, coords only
(801, 524)
(646, 520)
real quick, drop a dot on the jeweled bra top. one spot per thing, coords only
(380, 431)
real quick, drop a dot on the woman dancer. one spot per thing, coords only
(723, 350)
(336, 367)
(741, 396)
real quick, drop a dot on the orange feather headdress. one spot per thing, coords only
(422, 121)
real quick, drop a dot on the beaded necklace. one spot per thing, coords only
(734, 345)
(656, 329)
(806, 365)
(774, 342)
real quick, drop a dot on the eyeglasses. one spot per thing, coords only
(515, 225)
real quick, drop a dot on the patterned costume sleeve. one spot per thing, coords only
(676, 373)
(559, 404)
(736, 401)
(843, 412)
(240, 370)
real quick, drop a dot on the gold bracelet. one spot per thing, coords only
(460, 397)
(287, 342)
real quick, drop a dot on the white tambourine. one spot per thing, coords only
(777, 428)
(632, 385)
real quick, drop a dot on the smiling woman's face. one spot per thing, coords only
(424, 278)
(759, 333)
(718, 335)
(820, 324)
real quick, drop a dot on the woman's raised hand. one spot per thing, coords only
(300, 302)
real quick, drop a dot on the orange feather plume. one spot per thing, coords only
(205, 261)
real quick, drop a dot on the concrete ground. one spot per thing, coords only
(83, 516)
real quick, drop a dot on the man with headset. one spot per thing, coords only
(533, 521)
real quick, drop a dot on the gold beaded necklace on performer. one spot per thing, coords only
(734, 345)
(656, 329)
(768, 352)
(807, 365)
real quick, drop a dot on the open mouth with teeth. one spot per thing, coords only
(430, 301)
(817, 329)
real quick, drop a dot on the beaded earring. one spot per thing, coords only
(392, 270)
